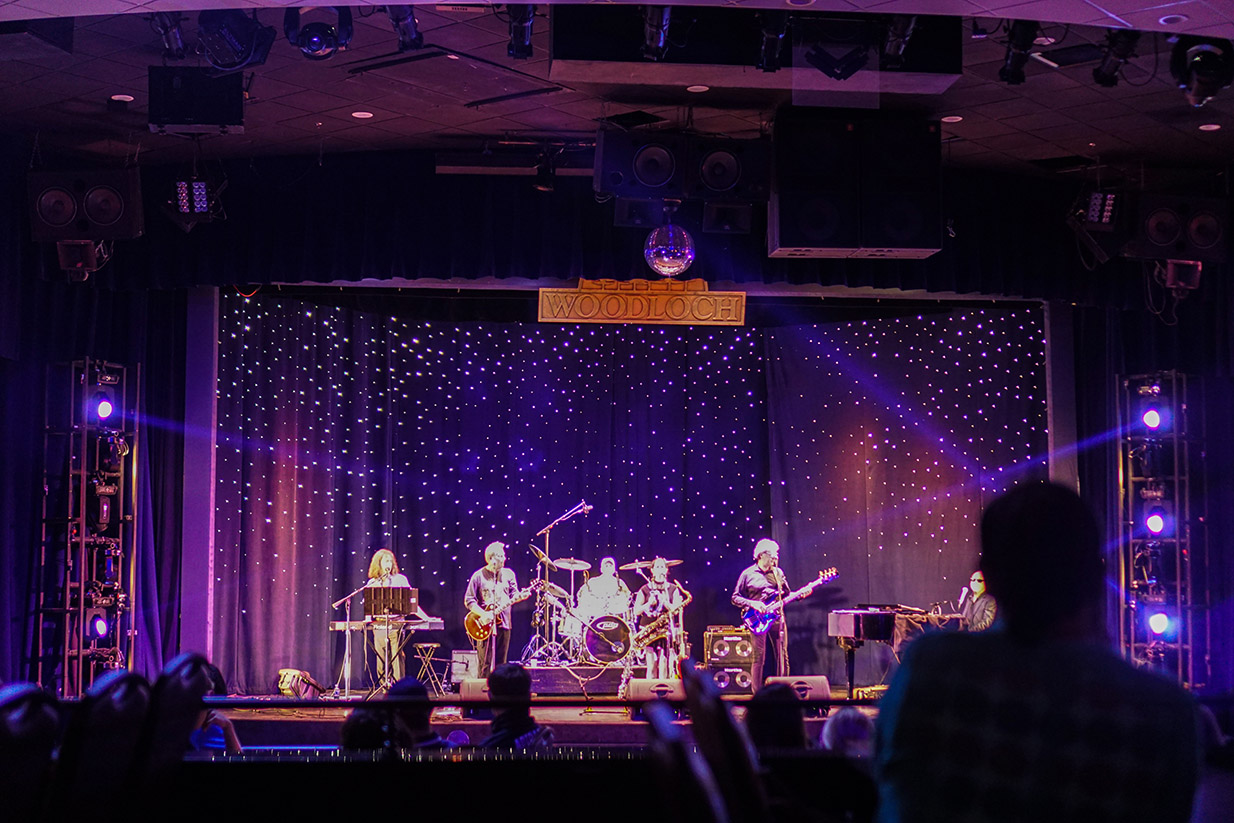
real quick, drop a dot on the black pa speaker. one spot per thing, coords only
(643, 689)
(901, 189)
(1179, 228)
(807, 686)
(675, 166)
(103, 204)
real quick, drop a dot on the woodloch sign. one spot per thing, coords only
(663, 302)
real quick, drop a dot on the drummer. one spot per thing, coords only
(606, 593)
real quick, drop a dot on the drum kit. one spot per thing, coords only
(587, 624)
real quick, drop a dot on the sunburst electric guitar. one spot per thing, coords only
(760, 621)
(481, 628)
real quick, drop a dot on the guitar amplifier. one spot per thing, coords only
(736, 679)
(464, 665)
(727, 646)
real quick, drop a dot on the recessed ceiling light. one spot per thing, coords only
(952, 118)
(362, 115)
(698, 89)
(452, 56)
(1044, 40)
(1173, 19)
(800, 3)
(122, 98)
(1210, 127)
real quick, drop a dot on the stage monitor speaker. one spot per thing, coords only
(643, 689)
(727, 646)
(189, 100)
(102, 204)
(1179, 228)
(807, 686)
(735, 679)
(475, 688)
(674, 166)
(854, 187)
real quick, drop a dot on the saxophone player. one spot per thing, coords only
(656, 597)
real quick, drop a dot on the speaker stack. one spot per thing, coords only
(1179, 228)
(103, 204)
(728, 653)
(854, 187)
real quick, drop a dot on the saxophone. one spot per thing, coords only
(658, 628)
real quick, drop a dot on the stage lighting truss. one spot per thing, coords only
(1163, 558)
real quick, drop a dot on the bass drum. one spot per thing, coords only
(607, 639)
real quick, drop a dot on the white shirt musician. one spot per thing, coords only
(653, 600)
(387, 640)
(492, 585)
(759, 586)
(605, 594)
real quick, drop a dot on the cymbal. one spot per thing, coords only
(647, 564)
(555, 590)
(543, 558)
(570, 564)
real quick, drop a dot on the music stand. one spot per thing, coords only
(384, 607)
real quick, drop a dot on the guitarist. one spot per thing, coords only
(492, 585)
(757, 587)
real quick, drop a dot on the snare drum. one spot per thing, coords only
(607, 639)
(569, 626)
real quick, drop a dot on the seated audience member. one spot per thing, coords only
(412, 722)
(774, 719)
(513, 727)
(849, 732)
(215, 732)
(1037, 718)
(367, 728)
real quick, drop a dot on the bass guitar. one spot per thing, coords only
(481, 628)
(759, 622)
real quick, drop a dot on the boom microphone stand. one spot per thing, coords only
(546, 631)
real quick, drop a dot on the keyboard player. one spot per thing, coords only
(387, 639)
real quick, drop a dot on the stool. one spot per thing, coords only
(428, 673)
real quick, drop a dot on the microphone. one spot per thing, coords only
(963, 594)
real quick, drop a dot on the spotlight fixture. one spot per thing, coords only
(96, 626)
(1119, 48)
(232, 40)
(403, 19)
(521, 17)
(1021, 37)
(895, 40)
(1154, 408)
(318, 40)
(774, 27)
(1201, 67)
(655, 31)
(195, 200)
(167, 24)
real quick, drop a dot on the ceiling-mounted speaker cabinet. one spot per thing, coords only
(103, 204)
(1170, 227)
(675, 166)
(857, 186)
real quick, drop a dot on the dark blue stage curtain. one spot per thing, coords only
(343, 431)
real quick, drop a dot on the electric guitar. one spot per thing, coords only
(759, 622)
(481, 628)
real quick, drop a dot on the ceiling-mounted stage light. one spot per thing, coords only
(97, 625)
(655, 31)
(1021, 36)
(774, 25)
(234, 41)
(167, 24)
(195, 200)
(404, 21)
(1201, 67)
(1119, 48)
(318, 40)
(521, 17)
(546, 177)
(895, 40)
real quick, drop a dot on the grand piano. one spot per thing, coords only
(853, 627)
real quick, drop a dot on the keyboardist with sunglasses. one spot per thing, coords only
(977, 607)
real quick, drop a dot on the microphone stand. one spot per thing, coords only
(345, 675)
(547, 632)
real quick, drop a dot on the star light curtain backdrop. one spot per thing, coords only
(342, 431)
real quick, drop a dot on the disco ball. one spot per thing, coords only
(669, 250)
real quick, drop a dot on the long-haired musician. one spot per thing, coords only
(492, 585)
(387, 640)
(652, 600)
(757, 587)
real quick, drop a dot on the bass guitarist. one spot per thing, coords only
(489, 594)
(757, 588)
